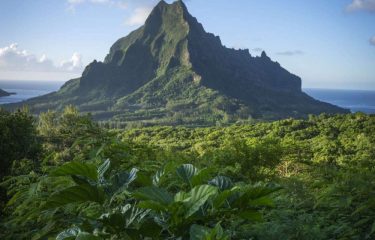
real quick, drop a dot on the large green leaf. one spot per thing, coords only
(223, 183)
(256, 192)
(186, 172)
(198, 232)
(76, 234)
(133, 214)
(181, 196)
(143, 179)
(154, 194)
(45, 231)
(255, 196)
(198, 196)
(87, 236)
(76, 194)
(122, 180)
(68, 234)
(372, 228)
(79, 180)
(76, 168)
(156, 206)
(150, 229)
(223, 196)
(158, 176)
(201, 177)
(113, 221)
(162, 173)
(103, 169)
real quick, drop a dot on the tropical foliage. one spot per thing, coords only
(289, 179)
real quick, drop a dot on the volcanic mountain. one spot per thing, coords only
(171, 71)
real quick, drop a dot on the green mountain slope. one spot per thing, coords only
(171, 71)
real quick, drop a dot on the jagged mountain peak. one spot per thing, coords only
(164, 12)
(171, 66)
(164, 4)
(264, 54)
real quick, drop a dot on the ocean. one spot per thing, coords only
(27, 89)
(355, 100)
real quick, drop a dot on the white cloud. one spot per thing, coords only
(74, 64)
(138, 10)
(75, 1)
(361, 5)
(118, 3)
(101, 1)
(139, 16)
(14, 59)
(372, 41)
(72, 4)
(122, 5)
(257, 49)
(291, 53)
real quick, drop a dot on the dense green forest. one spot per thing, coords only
(65, 176)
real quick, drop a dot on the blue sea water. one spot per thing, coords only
(27, 89)
(355, 100)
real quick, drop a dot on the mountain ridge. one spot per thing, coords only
(171, 68)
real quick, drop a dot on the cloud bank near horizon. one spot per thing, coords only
(12, 58)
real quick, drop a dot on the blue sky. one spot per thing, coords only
(328, 43)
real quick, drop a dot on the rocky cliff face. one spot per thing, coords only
(171, 66)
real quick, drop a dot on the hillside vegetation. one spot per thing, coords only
(65, 177)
